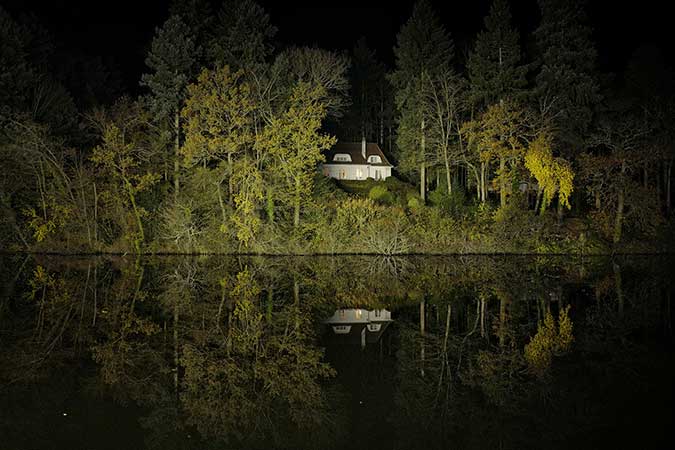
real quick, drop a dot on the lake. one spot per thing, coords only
(472, 352)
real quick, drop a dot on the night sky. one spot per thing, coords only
(122, 30)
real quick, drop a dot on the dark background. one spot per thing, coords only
(122, 30)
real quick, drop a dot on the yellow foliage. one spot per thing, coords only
(554, 175)
(549, 340)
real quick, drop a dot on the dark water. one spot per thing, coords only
(357, 352)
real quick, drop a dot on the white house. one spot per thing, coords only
(356, 161)
(361, 324)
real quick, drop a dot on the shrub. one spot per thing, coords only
(381, 194)
(413, 201)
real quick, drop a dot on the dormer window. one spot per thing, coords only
(374, 159)
(342, 157)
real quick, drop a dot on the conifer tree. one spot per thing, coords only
(172, 61)
(566, 87)
(423, 49)
(242, 36)
(495, 69)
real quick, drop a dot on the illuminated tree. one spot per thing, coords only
(443, 103)
(553, 175)
(295, 143)
(501, 133)
(122, 156)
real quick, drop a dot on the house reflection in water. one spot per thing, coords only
(352, 326)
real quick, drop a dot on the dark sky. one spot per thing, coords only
(122, 29)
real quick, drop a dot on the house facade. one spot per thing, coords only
(359, 325)
(356, 161)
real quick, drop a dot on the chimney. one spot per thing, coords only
(363, 147)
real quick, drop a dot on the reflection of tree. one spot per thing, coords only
(258, 380)
(223, 351)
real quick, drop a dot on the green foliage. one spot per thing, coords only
(380, 194)
(172, 61)
(41, 226)
(295, 143)
(454, 204)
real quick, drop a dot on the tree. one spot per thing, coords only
(324, 70)
(423, 49)
(366, 74)
(172, 61)
(494, 66)
(566, 88)
(122, 157)
(218, 114)
(242, 36)
(14, 65)
(294, 141)
(553, 175)
(501, 133)
(443, 103)
(619, 141)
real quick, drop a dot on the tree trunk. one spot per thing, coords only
(176, 161)
(597, 201)
(537, 201)
(296, 212)
(270, 205)
(422, 332)
(423, 177)
(618, 222)
(560, 210)
(382, 121)
(447, 170)
(230, 187)
(618, 286)
(669, 167)
(482, 182)
(137, 215)
(95, 215)
(221, 202)
(502, 182)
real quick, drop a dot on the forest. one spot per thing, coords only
(517, 144)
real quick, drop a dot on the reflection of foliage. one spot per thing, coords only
(550, 340)
(258, 375)
(249, 372)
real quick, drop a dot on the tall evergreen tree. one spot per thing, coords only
(423, 49)
(242, 36)
(366, 75)
(172, 61)
(566, 86)
(494, 65)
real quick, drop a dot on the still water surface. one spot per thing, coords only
(333, 352)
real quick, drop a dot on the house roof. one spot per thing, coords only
(353, 149)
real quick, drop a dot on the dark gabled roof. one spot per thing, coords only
(354, 150)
